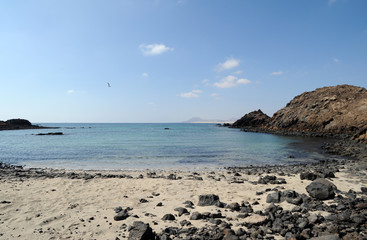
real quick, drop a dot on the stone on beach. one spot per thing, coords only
(255, 219)
(169, 217)
(321, 189)
(208, 200)
(121, 215)
(141, 231)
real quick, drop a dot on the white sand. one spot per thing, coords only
(62, 208)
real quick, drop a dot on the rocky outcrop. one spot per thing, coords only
(329, 111)
(339, 109)
(252, 119)
(17, 124)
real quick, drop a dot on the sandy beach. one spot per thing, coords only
(56, 204)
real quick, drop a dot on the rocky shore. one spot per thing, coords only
(325, 200)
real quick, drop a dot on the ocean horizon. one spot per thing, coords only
(136, 146)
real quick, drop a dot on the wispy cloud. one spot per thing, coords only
(154, 49)
(71, 91)
(336, 60)
(331, 2)
(214, 94)
(276, 73)
(145, 75)
(238, 72)
(231, 81)
(228, 64)
(192, 94)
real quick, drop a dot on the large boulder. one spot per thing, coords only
(337, 109)
(141, 231)
(208, 200)
(252, 119)
(321, 189)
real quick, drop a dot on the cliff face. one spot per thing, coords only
(338, 109)
(252, 119)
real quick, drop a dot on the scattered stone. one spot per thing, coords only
(233, 206)
(181, 211)
(308, 175)
(196, 216)
(255, 219)
(121, 215)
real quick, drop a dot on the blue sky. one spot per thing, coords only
(170, 60)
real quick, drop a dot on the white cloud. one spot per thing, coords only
(276, 73)
(71, 91)
(238, 72)
(229, 64)
(336, 60)
(154, 49)
(205, 81)
(145, 75)
(231, 81)
(331, 2)
(192, 94)
(214, 94)
(151, 103)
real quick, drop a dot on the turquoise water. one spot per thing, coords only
(150, 146)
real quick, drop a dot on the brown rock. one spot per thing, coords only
(256, 219)
(338, 109)
(252, 119)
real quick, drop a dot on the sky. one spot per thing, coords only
(171, 60)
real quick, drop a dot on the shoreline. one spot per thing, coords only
(241, 202)
(254, 202)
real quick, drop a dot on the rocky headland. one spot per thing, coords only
(18, 124)
(337, 112)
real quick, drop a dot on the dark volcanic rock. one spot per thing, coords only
(141, 231)
(208, 200)
(169, 217)
(121, 215)
(18, 122)
(181, 211)
(50, 133)
(252, 119)
(308, 175)
(321, 189)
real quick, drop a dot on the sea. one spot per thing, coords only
(139, 146)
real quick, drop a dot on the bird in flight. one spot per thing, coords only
(108, 84)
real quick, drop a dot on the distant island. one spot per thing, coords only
(200, 120)
(18, 124)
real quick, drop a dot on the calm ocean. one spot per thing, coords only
(151, 146)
